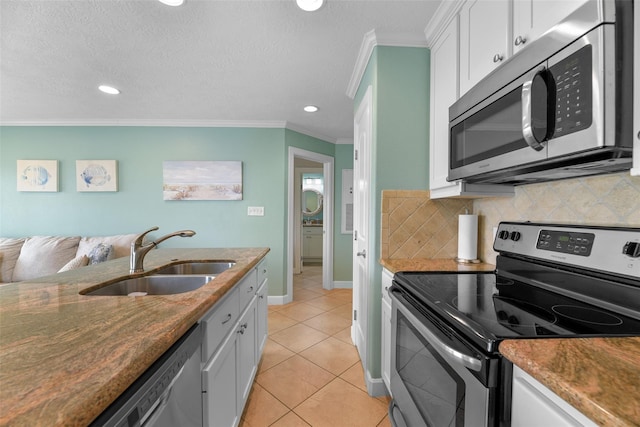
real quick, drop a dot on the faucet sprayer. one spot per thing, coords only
(138, 250)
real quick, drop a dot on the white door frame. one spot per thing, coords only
(327, 217)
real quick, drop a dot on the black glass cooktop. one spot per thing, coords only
(487, 308)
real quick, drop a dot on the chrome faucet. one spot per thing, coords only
(138, 250)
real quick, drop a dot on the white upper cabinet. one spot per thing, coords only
(485, 39)
(444, 92)
(532, 18)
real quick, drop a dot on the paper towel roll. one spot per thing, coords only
(467, 237)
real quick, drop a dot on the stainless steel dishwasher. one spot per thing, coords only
(168, 394)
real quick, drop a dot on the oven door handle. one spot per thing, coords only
(465, 360)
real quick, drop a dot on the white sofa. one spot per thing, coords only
(32, 257)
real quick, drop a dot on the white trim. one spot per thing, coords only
(344, 141)
(179, 123)
(327, 239)
(343, 284)
(375, 386)
(277, 300)
(441, 19)
(369, 42)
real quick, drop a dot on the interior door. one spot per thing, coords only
(363, 130)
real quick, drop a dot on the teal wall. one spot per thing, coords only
(399, 77)
(138, 203)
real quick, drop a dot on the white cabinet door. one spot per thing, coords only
(534, 405)
(262, 318)
(247, 352)
(219, 387)
(532, 18)
(444, 92)
(485, 33)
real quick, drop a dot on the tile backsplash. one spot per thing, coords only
(602, 200)
(414, 226)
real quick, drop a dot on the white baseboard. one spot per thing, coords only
(375, 386)
(342, 285)
(278, 300)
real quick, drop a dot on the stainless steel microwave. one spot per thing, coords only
(560, 108)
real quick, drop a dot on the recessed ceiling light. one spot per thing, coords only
(309, 5)
(109, 89)
(310, 108)
(172, 2)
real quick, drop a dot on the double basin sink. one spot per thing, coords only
(173, 279)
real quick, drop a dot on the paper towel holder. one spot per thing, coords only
(467, 261)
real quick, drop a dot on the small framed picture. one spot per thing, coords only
(96, 175)
(37, 175)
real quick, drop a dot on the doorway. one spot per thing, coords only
(304, 158)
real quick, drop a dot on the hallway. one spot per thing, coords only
(310, 373)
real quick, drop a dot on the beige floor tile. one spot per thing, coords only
(341, 404)
(332, 354)
(277, 321)
(294, 380)
(304, 294)
(328, 323)
(326, 302)
(345, 311)
(298, 337)
(355, 375)
(262, 408)
(273, 354)
(290, 420)
(385, 422)
(344, 335)
(301, 311)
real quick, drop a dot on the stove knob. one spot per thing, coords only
(632, 249)
(504, 235)
(515, 236)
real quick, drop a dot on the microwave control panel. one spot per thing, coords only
(572, 78)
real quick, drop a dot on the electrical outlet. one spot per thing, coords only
(255, 211)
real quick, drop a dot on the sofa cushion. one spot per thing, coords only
(101, 253)
(121, 244)
(77, 262)
(9, 252)
(44, 255)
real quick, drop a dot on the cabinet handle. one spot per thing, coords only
(497, 58)
(520, 40)
(227, 319)
(250, 290)
(261, 296)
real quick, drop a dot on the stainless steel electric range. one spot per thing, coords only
(550, 281)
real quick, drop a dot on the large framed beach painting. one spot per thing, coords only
(202, 180)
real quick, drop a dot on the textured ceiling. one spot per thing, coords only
(208, 62)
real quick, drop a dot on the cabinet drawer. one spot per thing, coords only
(248, 288)
(262, 271)
(218, 323)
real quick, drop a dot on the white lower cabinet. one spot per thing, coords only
(233, 346)
(534, 405)
(385, 357)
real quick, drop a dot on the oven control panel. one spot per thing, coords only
(566, 242)
(609, 249)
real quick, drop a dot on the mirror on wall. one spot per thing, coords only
(311, 202)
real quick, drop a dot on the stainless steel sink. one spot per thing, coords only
(153, 285)
(208, 268)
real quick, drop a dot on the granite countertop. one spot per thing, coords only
(65, 357)
(600, 377)
(421, 264)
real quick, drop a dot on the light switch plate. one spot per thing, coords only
(255, 211)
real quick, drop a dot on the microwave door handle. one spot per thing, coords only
(527, 112)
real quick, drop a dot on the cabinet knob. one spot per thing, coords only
(497, 58)
(520, 40)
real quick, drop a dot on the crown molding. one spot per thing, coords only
(317, 135)
(376, 38)
(440, 19)
(344, 141)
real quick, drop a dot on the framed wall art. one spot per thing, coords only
(37, 175)
(202, 180)
(96, 175)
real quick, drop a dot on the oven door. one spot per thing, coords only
(434, 374)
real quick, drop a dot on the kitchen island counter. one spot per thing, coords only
(600, 377)
(65, 357)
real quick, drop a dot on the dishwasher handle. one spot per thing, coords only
(156, 409)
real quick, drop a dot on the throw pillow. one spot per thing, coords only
(44, 255)
(9, 252)
(121, 244)
(101, 253)
(77, 262)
